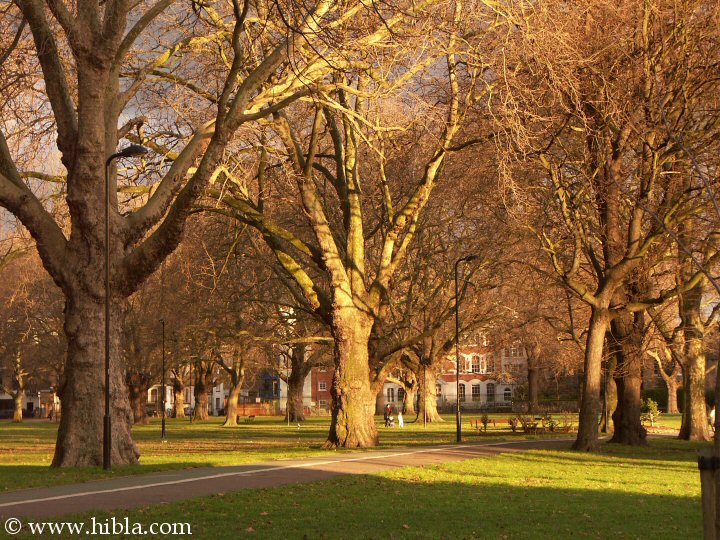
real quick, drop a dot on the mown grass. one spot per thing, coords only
(26, 449)
(646, 493)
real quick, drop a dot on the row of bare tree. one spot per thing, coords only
(327, 163)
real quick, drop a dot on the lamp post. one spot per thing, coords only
(130, 151)
(425, 392)
(458, 418)
(164, 389)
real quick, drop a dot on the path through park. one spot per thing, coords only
(143, 490)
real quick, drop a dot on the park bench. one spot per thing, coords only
(533, 427)
(478, 425)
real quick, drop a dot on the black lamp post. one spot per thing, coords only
(425, 362)
(164, 389)
(130, 151)
(458, 418)
(192, 393)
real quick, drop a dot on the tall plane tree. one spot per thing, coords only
(361, 187)
(98, 66)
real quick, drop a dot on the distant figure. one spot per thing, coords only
(387, 414)
(711, 418)
(401, 422)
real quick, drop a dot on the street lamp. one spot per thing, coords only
(164, 390)
(425, 362)
(130, 151)
(458, 418)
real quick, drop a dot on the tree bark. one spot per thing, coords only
(672, 388)
(82, 389)
(533, 371)
(138, 385)
(299, 369)
(428, 398)
(201, 404)
(587, 437)
(232, 405)
(411, 392)
(18, 388)
(353, 401)
(695, 421)
(18, 409)
(627, 335)
(179, 398)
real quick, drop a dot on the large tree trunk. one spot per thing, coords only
(18, 410)
(353, 407)
(203, 383)
(179, 398)
(428, 397)
(201, 404)
(587, 437)
(627, 335)
(409, 399)
(695, 422)
(18, 388)
(232, 405)
(138, 385)
(533, 374)
(82, 389)
(610, 390)
(672, 388)
(295, 383)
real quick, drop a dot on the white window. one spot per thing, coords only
(507, 394)
(475, 392)
(515, 351)
(390, 395)
(462, 392)
(322, 386)
(490, 393)
(322, 403)
(401, 394)
(475, 364)
(438, 389)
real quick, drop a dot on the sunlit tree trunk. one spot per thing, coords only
(80, 435)
(695, 421)
(138, 385)
(299, 369)
(179, 397)
(202, 387)
(587, 437)
(428, 397)
(353, 407)
(627, 334)
(237, 378)
(533, 374)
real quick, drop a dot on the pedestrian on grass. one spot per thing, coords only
(401, 422)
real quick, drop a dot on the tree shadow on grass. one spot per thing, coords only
(20, 477)
(427, 506)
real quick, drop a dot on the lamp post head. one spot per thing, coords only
(132, 151)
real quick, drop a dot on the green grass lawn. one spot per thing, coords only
(26, 449)
(645, 493)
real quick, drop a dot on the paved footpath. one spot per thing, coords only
(143, 490)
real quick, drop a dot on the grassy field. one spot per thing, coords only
(637, 493)
(26, 449)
